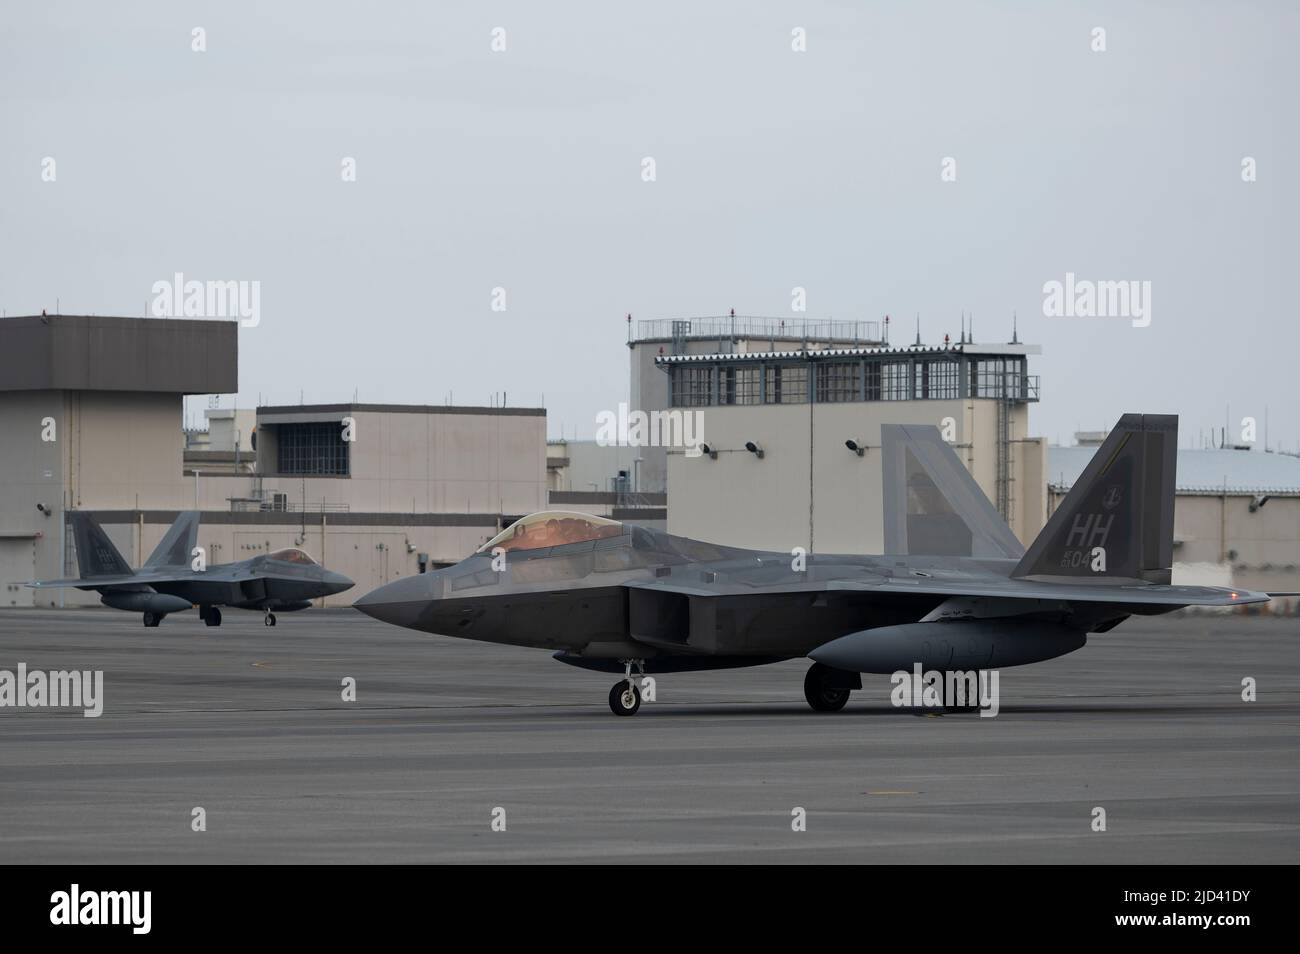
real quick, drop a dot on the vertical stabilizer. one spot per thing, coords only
(1117, 521)
(96, 555)
(933, 507)
(177, 546)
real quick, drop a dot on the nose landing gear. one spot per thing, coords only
(625, 696)
(269, 619)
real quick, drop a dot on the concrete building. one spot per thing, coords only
(90, 407)
(574, 465)
(230, 429)
(595, 478)
(224, 445)
(800, 407)
(91, 418)
(728, 334)
(1236, 515)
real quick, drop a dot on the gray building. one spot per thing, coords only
(1236, 515)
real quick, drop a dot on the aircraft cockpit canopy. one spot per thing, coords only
(291, 555)
(552, 528)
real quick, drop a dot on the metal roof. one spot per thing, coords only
(811, 354)
(1200, 471)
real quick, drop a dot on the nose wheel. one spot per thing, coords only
(269, 620)
(625, 696)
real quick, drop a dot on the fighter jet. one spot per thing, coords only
(954, 592)
(174, 578)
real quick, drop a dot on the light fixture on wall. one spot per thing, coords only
(708, 452)
(754, 449)
(854, 446)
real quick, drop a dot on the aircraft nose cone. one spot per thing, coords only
(399, 602)
(337, 582)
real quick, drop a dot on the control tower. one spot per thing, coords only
(656, 338)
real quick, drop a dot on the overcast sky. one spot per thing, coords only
(774, 169)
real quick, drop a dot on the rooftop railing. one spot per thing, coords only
(735, 327)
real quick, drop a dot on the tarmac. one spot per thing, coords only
(248, 723)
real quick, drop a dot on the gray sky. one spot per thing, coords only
(775, 169)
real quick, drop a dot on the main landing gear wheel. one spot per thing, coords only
(270, 619)
(625, 698)
(152, 619)
(822, 697)
(212, 617)
(953, 701)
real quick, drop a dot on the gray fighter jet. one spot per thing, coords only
(173, 579)
(954, 592)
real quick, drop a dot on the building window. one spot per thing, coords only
(896, 381)
(692, 386)
(940, 380)
(999, 378)
(787, 384)
(839, 381)
(740, 385)
(314, 448)
(871, 389)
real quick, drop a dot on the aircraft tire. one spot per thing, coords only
(213, 617)
(819, 695)
(624, 698)
(270, 619)
(152, 619)
(951, 704)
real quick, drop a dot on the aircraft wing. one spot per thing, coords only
(87, 582)
(1150, 594)
(142, 578)
(1128, 594)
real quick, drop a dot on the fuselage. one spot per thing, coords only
(646, 593)
(262, 582)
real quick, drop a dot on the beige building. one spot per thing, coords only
(801, 408)
(91, 418)
(651, 340)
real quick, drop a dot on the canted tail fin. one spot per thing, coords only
(96, 555)
(177, 546)
(933, 506)
(1117, 521)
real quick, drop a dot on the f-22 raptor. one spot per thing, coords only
(171, 580)
(954, 592)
